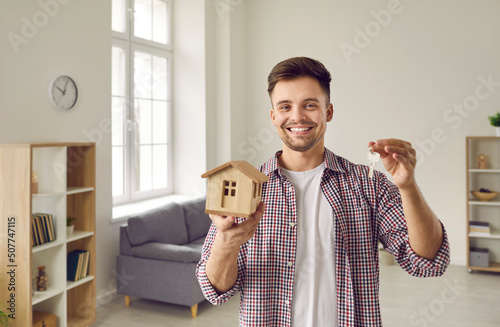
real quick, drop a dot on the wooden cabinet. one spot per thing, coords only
(66, 186)
(483, 211)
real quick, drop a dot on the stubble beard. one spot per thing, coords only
(308, 141)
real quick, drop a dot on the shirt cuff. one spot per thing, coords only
(208, 290)
(423, 267)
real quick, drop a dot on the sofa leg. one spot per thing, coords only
(194, 310)
(127, 300)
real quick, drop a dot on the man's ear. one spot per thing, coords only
(329, 112)
(273, 117)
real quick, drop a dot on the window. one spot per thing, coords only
(229, 188)
(141, 99)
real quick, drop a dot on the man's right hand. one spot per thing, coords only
(231, 234)
(222, 265)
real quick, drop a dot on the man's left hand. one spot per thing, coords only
(399, 159)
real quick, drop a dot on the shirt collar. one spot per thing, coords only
(334, 162)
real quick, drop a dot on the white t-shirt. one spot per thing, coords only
(314, 301)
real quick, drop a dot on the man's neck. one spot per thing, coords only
(302, 161)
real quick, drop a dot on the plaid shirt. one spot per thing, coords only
(365, 210)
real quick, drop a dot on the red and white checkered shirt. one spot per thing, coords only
(365, 211)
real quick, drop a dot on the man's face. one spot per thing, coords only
(300, 113)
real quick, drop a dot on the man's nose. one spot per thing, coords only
(297, 114)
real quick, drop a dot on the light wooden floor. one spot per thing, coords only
(456, 299)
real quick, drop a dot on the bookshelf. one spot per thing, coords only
(483, 211)
(66, 186)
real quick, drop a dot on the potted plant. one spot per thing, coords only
(495, 122)
(69, 225)
(4, 321)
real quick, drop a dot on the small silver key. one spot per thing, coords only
(373, 158)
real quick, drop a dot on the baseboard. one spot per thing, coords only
(461, 261)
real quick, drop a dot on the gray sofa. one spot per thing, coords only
(159, 250)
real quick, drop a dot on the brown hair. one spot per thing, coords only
(299, 67)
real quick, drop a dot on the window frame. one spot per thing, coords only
(130, 43)
(230, 187)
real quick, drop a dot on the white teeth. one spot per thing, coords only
(302, 129)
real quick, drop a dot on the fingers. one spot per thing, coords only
(260, 211)
(399, 150)
(251, 224)
(409, 162)
(223, 222)
(226, 222)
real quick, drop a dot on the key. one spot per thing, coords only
(373, 158)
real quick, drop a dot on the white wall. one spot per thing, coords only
(227, 110)
(75, 40)
(190, 96)
(426, 60)
(401, 82)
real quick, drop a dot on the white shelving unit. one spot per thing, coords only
(484, 211)
(66, 186)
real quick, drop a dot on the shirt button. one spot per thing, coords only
(293, 224)
(289, 263)
(287, 302)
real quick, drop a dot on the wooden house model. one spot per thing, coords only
(234, 189)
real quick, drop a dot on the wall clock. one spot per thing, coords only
(63, 92)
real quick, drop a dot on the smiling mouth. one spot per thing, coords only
(299, 129)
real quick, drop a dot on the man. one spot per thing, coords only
(309, 254)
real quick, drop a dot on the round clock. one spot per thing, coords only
(63, 92)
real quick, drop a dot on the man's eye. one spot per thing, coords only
(284, 107)
(311, 106)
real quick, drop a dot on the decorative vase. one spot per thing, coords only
(69, 230)
(482, 162)
(41, 279)
(497, 130)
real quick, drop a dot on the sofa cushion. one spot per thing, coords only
(169, 252)
(197, 221)
(164, 225)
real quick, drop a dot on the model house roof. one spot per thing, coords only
(242, 166)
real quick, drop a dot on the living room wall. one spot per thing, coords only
(404, 81)
(75, 39)
(39, 40)
(400, 69)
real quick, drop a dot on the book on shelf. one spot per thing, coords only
(72, 263)
(34, 234)
(42, 228)
(78, 264)
(85, 267)
(39, 229)
(479, 227)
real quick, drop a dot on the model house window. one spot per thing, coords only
(141, 99)
(229, 188)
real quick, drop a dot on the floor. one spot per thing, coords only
(458, 298)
